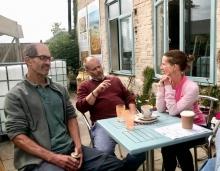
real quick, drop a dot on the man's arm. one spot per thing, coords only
(23, 142)
(128, 97)
(94, 94)
(85, 99)
(75, 135)
(132, 108)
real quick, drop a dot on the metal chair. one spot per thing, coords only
(207, 109)
(89, 127)
(211, 139)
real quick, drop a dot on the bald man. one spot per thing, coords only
(99, 96)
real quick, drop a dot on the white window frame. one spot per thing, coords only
(212, 68)
(120, 17)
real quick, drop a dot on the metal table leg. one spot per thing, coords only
(150, 160)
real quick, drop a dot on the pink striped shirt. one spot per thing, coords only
(183, 97)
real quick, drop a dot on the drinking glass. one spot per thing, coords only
(129, 119)
(119, 111)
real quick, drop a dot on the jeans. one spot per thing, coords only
(209, 165)
(93, 160)
(102, 141)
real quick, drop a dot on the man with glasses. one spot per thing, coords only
(41, 122)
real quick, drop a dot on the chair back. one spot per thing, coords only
(206, 104)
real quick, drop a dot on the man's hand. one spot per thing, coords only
(79, 154)
(102, 87)
(66, 162)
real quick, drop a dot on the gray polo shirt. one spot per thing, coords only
(61, 142)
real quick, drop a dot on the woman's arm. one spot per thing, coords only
(160, 99)
(189, 95)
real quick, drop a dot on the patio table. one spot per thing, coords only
(147, 137)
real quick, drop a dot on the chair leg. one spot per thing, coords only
(195, 158)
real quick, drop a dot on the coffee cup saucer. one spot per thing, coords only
(149, 118)
(144, 120)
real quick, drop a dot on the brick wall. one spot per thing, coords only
(143, 38)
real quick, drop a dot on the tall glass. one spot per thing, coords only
(119, 111)
(129, 119)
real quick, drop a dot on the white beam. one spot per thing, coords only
(10, 28)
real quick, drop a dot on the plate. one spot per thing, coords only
(148, 118)
(138, 120)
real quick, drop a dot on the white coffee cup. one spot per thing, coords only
(147, 113)
(187, 117)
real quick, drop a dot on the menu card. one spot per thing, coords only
(175, 131)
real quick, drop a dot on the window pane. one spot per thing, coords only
(174, 24)
(126, 43)
(114, 44)
(113, 10)
(126, 6)
(159, 36)
(197, 28)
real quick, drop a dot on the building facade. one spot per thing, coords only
(129, 35)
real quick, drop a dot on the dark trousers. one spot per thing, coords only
(95, 160)
(180, 152)
(176, 152)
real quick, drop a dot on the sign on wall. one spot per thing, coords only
(83, 33)
(94, 33)
(88, 30)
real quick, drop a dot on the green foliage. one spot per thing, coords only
(148, 80)
(56, 28)
(147, 97)
(213, 91)
(65, 46)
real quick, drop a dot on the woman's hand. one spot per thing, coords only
(165, 80)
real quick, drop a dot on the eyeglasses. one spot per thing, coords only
(43, 57)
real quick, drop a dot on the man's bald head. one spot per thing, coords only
(94, 68)
(90, 61)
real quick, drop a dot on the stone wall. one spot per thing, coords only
(143, 39)
(142, 19)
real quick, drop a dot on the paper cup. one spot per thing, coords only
(187, 119)
(74, 155)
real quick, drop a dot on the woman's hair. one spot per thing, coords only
(179, 58)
